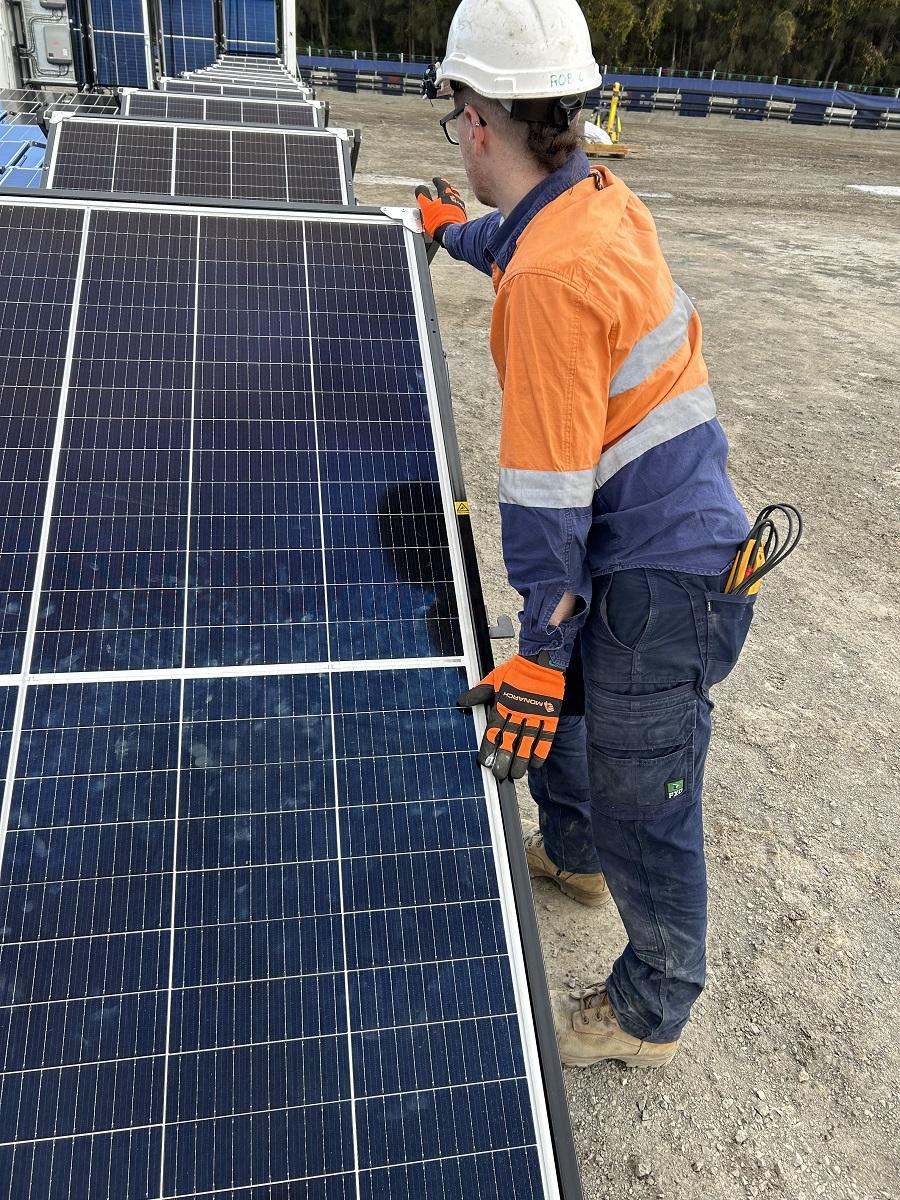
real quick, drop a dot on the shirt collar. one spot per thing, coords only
(502, 244)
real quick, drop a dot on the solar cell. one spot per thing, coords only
(258, 925)
(223, 110)
(199, 160)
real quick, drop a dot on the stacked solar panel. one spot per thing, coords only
(237, 76)
(246, 64)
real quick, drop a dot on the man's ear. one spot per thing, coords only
(474, 126)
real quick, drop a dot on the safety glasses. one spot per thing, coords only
(448, 124)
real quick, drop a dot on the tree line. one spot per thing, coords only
(848, 41)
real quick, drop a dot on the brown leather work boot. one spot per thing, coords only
(588, 1032)
(586, 889)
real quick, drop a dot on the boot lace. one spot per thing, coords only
(591, 1003)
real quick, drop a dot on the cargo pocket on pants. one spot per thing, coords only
(728, 620)
(641, 750)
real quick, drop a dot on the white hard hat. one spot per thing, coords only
(520, 49)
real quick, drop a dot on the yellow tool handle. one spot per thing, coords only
(757, 563)
(741, 567)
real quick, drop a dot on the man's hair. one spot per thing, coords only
(548, 146)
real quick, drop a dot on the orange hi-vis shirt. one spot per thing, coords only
(611, 455)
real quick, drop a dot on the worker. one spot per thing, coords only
(618, 519)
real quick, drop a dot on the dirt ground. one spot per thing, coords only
(787, 1082)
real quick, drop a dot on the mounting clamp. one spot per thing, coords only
(503, 629)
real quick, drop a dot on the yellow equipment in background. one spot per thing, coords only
(611, 126)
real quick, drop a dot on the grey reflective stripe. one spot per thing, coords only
(655, 347)
(575, 489)
(661, 424)
(547, 489)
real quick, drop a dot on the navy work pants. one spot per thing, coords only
(621, 791)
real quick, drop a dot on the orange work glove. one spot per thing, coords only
(526, 700)
(447, 209)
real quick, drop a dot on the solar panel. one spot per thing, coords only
(245, 79)
(27, 170)
(36, 102)
(242, 163)
(223, 110)
(250, 25)
(199, 87)
(259, 929)
(121, 43)
(188, 33)
(22, 148)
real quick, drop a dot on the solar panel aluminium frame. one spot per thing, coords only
(279, 83)
(268, 80)
(217, 71)
(239, 56)
(555, 1142)
(320, 107)
(282, 82)
(344, 138)
(275, 66)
